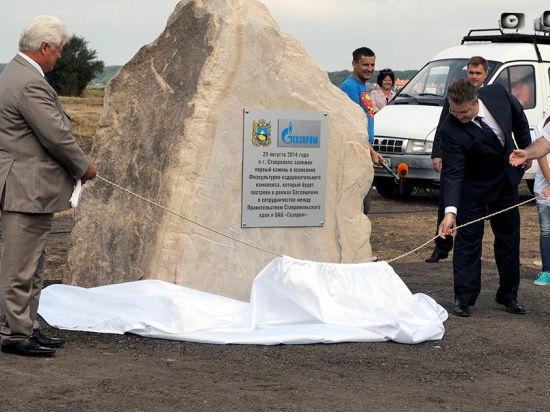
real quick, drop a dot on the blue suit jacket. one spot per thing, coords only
(475, 166)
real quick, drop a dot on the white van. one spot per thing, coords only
(405, 128)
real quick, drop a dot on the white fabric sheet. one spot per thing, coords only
(75, 197)
(292, 302)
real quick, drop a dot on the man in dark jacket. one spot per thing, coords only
(476, 142)
(477, 70)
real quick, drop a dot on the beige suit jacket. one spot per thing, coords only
(39, 156)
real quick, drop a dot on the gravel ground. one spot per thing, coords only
(490, 361)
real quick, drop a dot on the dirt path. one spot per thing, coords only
(491, 361)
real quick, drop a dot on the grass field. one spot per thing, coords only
(85, 113)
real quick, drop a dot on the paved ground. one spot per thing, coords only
(491, 361)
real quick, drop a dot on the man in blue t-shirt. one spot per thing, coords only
(355, 86)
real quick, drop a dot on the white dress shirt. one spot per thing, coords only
(488, 119)
(32, 62)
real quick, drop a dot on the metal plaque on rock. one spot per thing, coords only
(284, 168)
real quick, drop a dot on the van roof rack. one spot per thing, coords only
(501, 37)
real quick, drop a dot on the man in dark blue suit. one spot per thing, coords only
(477, 70)
(476, 142)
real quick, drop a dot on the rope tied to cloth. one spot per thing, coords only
(278, 254)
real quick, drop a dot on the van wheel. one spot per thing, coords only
(390, 190)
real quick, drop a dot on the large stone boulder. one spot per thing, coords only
(172, 132)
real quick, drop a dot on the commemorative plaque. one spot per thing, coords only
(284, 168)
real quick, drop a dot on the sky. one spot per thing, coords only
(404, 34)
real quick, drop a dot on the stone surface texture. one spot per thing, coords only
(171, 131)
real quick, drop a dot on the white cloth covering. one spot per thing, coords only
(292, 302)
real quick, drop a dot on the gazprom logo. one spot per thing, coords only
(285, 134)
(299, 133)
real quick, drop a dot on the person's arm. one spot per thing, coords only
(443, 115)
(38, 106)
(370, 121)
(437, 154)
(453, 167)
(538, 149)
(447, 225)
(437, 164)
(520, 124)
(376, 157)
(90, 173)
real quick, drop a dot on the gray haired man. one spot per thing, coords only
(39, 163)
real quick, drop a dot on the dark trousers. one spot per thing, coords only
(468, 245)
(442, 246)
(367, 201)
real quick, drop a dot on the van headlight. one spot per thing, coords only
(419, 147)
(429, 146)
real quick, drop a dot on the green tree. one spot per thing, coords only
(74, 70)
(337, 78)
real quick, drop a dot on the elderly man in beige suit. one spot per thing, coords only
(39, 164)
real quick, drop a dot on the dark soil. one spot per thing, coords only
(490, 361)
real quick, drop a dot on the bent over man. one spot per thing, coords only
(477, 70)
(476, 142)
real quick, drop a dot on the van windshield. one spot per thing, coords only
(429, 85)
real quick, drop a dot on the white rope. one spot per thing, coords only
(277, 254)
(185, 218)
(461, 226)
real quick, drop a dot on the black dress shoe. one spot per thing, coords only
(461, 308)
(512, 306)
(436, 257)
(28, 347)
(47, 341)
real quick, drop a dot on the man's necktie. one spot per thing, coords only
(487, 130)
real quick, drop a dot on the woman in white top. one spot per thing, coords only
(384, 93)
(542, 191)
